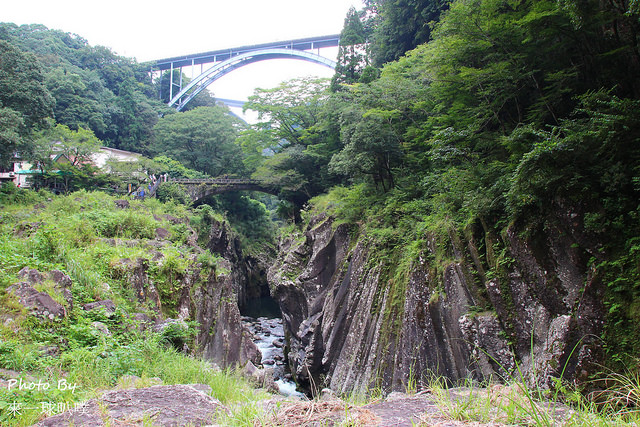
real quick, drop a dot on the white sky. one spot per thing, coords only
(147, 30)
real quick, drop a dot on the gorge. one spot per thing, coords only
(456, 208)
(469, 304)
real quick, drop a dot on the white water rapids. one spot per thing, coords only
(269, 338)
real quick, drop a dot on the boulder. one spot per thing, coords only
(63, 285)
(108, 306)
(122, 204)
(141, 320)
(61, 279)
(102, 328)
(32, 276)
(134, 381)
(260, 377)
(161, 405)
(162, 233)
(40, 304)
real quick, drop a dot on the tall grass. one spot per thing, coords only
(86, 236)
(518, 403)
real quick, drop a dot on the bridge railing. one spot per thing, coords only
(216, 181)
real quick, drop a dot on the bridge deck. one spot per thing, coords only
(224, 54)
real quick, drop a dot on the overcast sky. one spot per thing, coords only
(148, 30)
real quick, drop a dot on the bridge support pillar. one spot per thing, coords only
(171, 82)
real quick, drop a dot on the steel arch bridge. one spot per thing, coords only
(227, 60)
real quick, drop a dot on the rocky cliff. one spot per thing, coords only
(467, 304)
(213, 302)
(222, 337)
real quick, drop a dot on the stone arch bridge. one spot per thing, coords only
(201, 188)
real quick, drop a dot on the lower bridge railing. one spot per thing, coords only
(217, 181)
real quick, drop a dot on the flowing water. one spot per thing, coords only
(265, 324)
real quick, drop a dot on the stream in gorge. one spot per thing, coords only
(263, 319)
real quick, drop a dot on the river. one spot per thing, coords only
(262, 317)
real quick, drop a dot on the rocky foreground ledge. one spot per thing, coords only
(180, 405)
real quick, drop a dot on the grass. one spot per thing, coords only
(87, 237)
(516, 403)
(82, 373)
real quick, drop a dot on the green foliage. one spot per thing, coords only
(297, 137)
(93, 88)
(86, 236)
(167, 275)
(90, 369)
(291, 109)
(202, 139)
(347, 204)
(123, 224)
(352, 54)
(592, 156)
(371, 148)
(500, 119)
(254, 143)
(512, 111)
(175, 169)
(76, 146)
(172, 191)
(25, 102)
(248, 217)
(399, 26)
(10, 195)
(203, 216)
(177, 334)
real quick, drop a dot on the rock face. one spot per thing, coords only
(211, 301)
(222, 337)
(355, 320)
(249, 273)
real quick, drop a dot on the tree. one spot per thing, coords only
(93, 87)
(25, 102)
(371, 148)
(203, 139)
(352, 52)
(255, 143)
(297, 135)
(290, 110)
(402, 25)
(76, 106)
(65, 156)
(77, 146)
(133, 117)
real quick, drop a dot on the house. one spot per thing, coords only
(20, 171)
(11, 173)
(107, 154)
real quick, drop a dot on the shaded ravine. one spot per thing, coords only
(262, 317)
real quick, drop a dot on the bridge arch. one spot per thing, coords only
(200, 188)
(225, 67)
(200, 193)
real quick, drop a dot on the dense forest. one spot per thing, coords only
(442, 115)
(491, 113)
